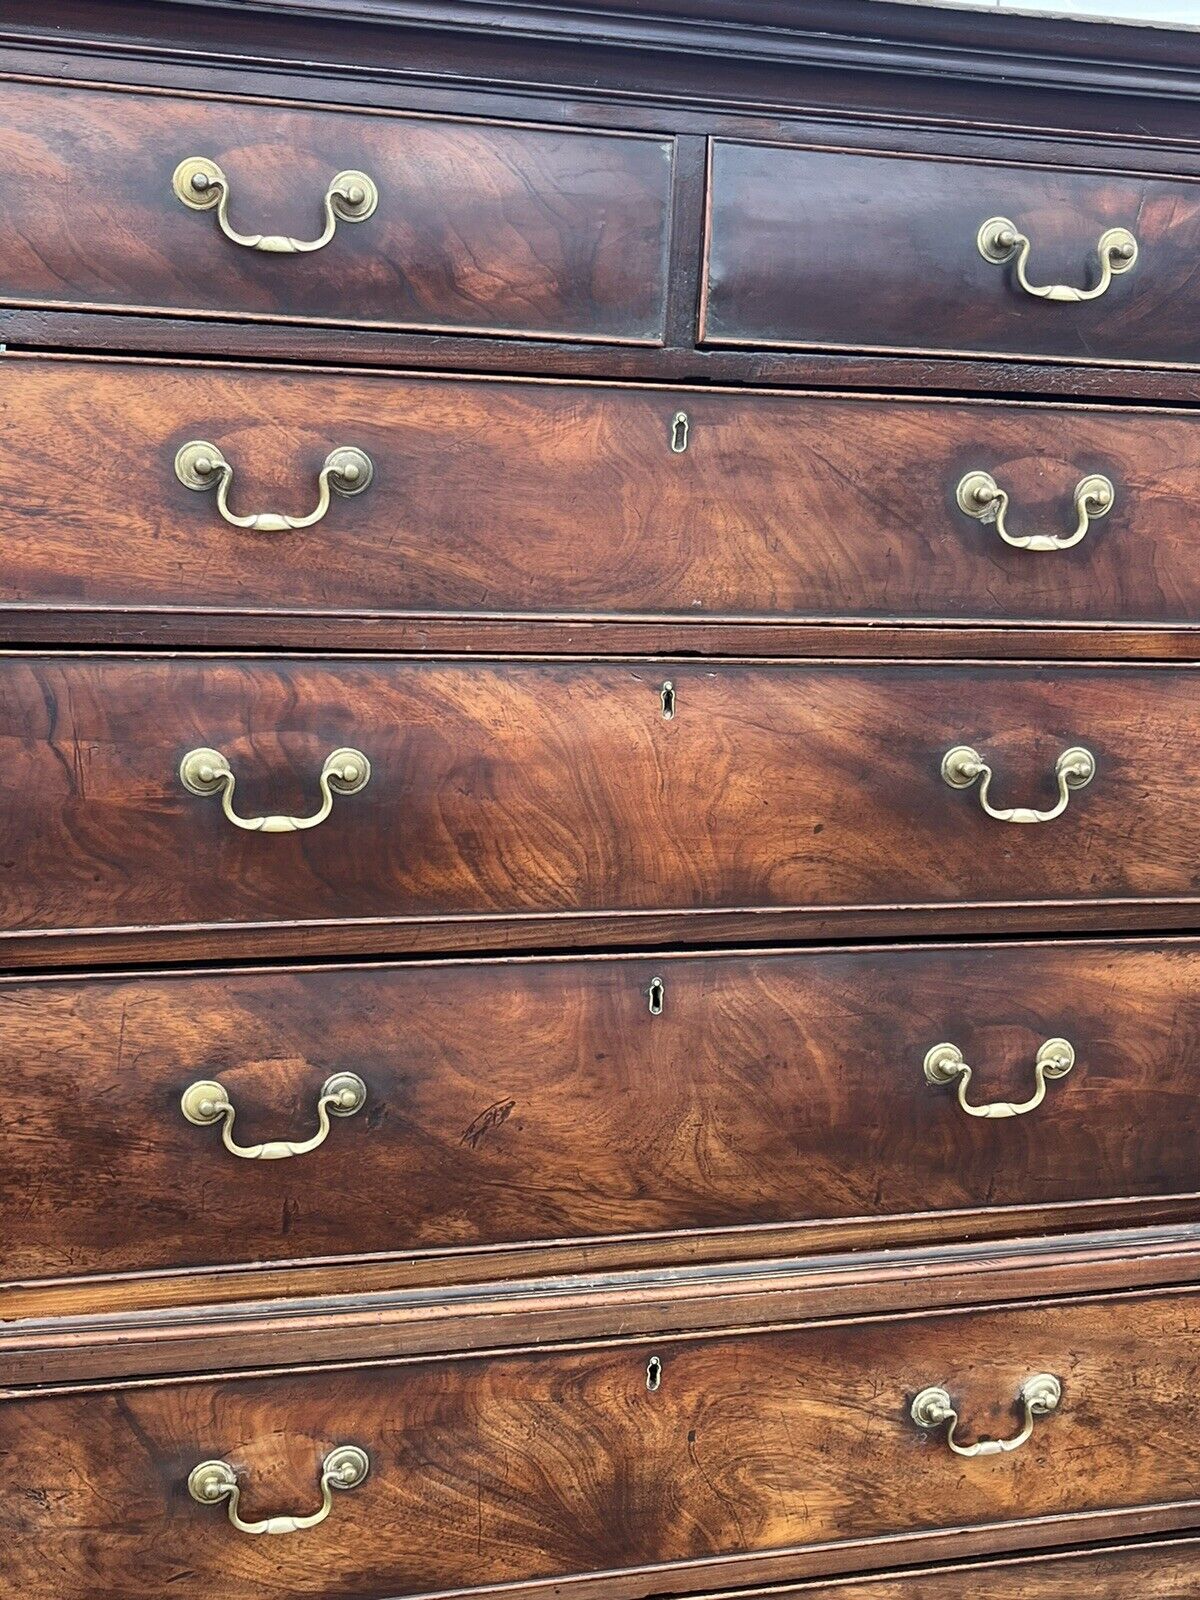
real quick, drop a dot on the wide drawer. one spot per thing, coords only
(812, 247)
(551, 790)
(679, 1463)
(689, 1105)
(477, 226)
(510, 498)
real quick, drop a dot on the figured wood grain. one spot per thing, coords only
(558, 788)
(480, 227)
(539, 500)
(536, 1466)
(540, 1101)
(825, 247)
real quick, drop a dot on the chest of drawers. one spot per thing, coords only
(599, 803)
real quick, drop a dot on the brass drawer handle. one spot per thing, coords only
(1039, 1396)
(999, 240)
(201, 466)
(944, 1065)
(206, 772)
(1074, 769)
(981, 497)
(213, 1481)
(201, 185)
(341, 1095)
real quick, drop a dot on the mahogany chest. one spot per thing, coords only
(599, 802)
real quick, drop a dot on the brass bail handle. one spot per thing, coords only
(1039, 1396)
(201, 466)
(206, 772)
(213, 1481)
(1000, 241)
(962, 766)
(944, 1065)
(202, 186)
(981, 497)
(203, 1103)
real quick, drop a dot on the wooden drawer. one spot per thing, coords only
(548, 790)
(741, 1456)
(1166, 1570)
(840, 249)
(510, 498)
(535, 1102)
(479, 227)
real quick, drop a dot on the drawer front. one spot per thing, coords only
(552, 499)
(479, 227)
(514, 1102)
(833, 248)
(546, 788)
(791, 1450)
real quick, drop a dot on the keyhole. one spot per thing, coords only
(655, 994)
(679, 432)
(653, 1374)
(667, 695)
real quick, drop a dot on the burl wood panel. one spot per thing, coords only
(1166, 1571)
(542, 1465)
(541, 1101)
(553, 788)
(824, 247)
(509, 498)
(480, 227)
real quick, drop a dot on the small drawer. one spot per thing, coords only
(695, 1105)
(839, 249)
(402, 221)
(656, 1466)
(483, 498)
(375, 794)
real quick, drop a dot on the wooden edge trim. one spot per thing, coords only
(1187, 1543)
(450, 1268)
(131, 628)
(683, 1301)
(68, 949)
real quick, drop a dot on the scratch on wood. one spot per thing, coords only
(494, 1117)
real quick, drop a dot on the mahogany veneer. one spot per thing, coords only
(537, 500)
(528, 1102)
(669, 343)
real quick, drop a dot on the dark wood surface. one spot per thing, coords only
(484, 228)
(514, 1103)
(543, 500)
(1165, 1570)
(757, 1452)
(782, 1230)
(823, 248)
(554, 789)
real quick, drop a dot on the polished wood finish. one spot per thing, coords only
(482, 228)
(549, 500)
(540, 1101)
(837, 248)
(553, 789)
(762, 212)
(756, 1449)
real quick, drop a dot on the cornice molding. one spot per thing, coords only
(836, 36)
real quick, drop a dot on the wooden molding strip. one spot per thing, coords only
(456, 1321)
